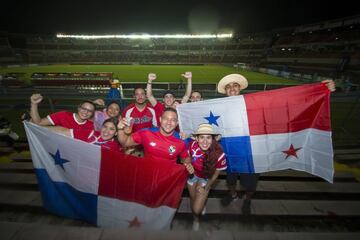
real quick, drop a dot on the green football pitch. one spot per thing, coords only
(165, 73)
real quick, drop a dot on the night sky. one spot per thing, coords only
(139, 16)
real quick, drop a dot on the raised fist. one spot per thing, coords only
(36, 98)
(99, 102)
(151, 77)
(187, 75)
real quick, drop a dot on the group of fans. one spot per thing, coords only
(150, 128)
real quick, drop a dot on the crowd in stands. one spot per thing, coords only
(325, 46)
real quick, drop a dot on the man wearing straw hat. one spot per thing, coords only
(232, 85)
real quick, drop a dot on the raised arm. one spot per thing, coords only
(149, 94)
(34, 111)
(99, 102)
(124, 133)
(188, 76)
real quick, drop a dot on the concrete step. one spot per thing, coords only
(14, 179)
(348, 158)
(6, 149)
(259, 207)
(17, 167)
(346, 151)
(11, 230)
(284, 173)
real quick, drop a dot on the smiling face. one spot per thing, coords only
(168, 123)
(204, 141)
(232, 89)
(113, 110)
(169, 100)
(108, 131)
(85, 111)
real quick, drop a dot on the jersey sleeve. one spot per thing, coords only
(184, 152)
(138, 136)
(123, 114)
(221, 162)
(55, 118)
(82, 134)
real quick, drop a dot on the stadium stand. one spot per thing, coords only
(48, 49)
(330, 48)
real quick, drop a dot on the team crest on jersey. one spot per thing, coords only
(172, 149)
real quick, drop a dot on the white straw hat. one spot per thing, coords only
(206, 129)
(237, 78)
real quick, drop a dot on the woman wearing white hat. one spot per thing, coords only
(208, 159)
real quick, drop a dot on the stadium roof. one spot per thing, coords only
(166, 16)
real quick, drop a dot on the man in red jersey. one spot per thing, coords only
(143, 115)
(162, 143)
(79, 120)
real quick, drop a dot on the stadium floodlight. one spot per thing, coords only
(145, 36)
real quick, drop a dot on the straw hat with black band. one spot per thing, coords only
(232, 78)
(206, 129)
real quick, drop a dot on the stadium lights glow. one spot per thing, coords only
(145, 36)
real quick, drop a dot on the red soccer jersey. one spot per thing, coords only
(94, 137)
(158, 146)
(144, 119)
(68, 120)
(197, 160)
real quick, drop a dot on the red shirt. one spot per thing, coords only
(162, 147)
(94, 137)
(197, 160)
(159, 109)
(68, 120)
(142, 119)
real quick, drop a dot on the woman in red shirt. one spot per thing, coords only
(105, 137)
(208, 159)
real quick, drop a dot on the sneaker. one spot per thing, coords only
(246, 209)
(228, 199)
(196, 225)
(203, 212)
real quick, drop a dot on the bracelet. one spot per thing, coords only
(149, 82)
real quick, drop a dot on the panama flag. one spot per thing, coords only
(84, 181)
(271, 130)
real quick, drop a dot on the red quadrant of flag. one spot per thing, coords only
(149, 182)
(289, 110)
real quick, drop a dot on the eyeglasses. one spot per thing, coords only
(86, 110)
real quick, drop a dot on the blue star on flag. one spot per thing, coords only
(212, 119)
(58, 160)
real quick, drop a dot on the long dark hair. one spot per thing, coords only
(211, 157)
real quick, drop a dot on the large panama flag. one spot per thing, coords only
(83, 181)
(287, 128)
